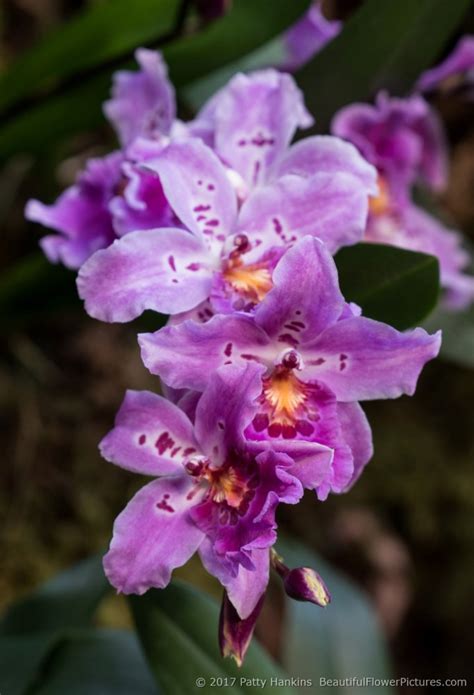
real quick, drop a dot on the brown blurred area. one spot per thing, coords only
(405, 533)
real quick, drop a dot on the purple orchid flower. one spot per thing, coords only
(308, 36)
(319, 359)
(457, 70)
(143, 102)
(224, 253)
(114, 196)
(404, 140)
(212, 494)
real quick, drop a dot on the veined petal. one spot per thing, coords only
(305, 298)
(326, 154)
(255, 117)
(143, 102)
(246, 589)
(166, 270)
(197, 188)
(358, 435)
(226, 408)
(362, 359)
(185, 355)
(332, 207)
(151, 436)
(153, 535)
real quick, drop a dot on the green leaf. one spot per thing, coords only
(22, 658)
(79, 109)
(340, 641)
(248, 26)
(458, 334)
(97, 662)
(178, 629)
(69, 599)
(105, 31)
(384, 45)
(392, 285)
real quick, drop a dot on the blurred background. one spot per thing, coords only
(404, 534)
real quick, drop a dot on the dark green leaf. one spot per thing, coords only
(251, 24)
(22, 658)
(106, 30)
(178, 629)
(458, 334)
(392, 285)
(97, 662)
(79, 109)
(68, 600)
(385, 45)
(338, 642)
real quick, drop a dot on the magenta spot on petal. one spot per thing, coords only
(174, 281)
(221, 425)
(142, 439)
(193, 266)
(277, 225)
(247, 356)
(298, 312)
(201, 208)
(304, 427)
(213, 223)
(260, 422)
(163, 504)
(342, 366)
(317, 362)
(211, 187)
(164, 442)
(274, 430)
(199, 182)
(228, 362)
(342, 356)
(175, 451)
(172, 263)
(220, 237)
(288, 432)
(190, 450)
(228, 349)
(199, 218)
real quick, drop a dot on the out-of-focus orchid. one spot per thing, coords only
(455, 72)
(404, 139)
(308, 36)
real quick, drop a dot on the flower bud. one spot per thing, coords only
(304, 584)
(236, 633)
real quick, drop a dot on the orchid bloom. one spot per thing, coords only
(405, 141)
(457, 70)
(114, 196)
(212, 494)
(319, 360)
(223, 253)
(308, 36)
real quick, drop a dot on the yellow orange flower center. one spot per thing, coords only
(227, 486)
(251, 281)
(380, 203)
(285, 394)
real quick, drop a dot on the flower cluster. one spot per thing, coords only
(229, 228)
(404, 139)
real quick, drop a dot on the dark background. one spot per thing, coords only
(405, 533)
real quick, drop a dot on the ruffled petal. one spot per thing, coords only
(332, 207)
(152, 536)
(166, 270)
(143, 102)
(151, 436)
(186, 354)
(361, 359)
(325, 154)
(255, 118)
(197, 188)
(305, 298)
